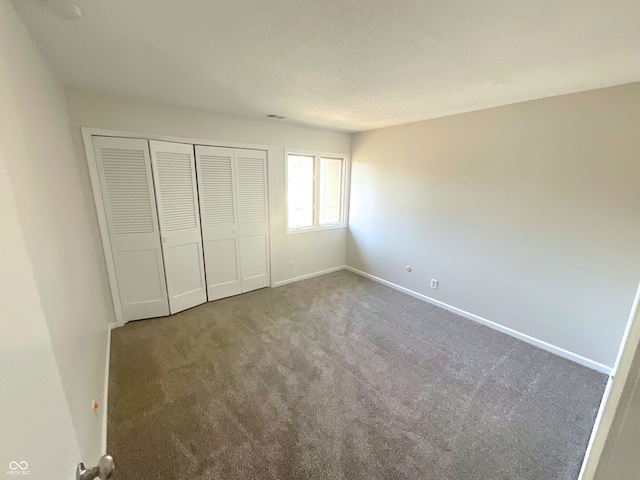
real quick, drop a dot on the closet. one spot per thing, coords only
(186, 223)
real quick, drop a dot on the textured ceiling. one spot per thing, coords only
(347, 64)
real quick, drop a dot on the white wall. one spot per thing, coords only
(69, 321)
(528, 215)
(311, 252)
(35, 424)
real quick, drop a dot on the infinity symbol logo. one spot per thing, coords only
(18, 465)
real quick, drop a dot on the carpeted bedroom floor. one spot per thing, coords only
(338, 377)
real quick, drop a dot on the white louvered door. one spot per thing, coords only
(216, 187)
(174, 177)
(127, 192)
(251, 181)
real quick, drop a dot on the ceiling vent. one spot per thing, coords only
(277, 117)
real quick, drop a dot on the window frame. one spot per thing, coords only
(316, 186)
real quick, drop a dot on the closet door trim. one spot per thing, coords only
(87, 137)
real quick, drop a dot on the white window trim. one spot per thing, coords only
(345, 190)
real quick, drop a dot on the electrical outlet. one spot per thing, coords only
(434, 283)
(290, 263)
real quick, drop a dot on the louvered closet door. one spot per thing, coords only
(251, 180)
(216, 187)
(174, 175)
(126, 185)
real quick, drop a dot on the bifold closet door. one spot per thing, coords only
(233, 200)
(251, 172)
(127, 192)
(174, 175)
(216, 187)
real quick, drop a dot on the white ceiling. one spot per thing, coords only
(347, 64)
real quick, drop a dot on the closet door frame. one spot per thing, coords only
(87, 137)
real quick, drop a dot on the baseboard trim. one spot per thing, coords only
(308, 275)
(105, 396)
(496, 326)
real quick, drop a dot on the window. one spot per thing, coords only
(315, 191)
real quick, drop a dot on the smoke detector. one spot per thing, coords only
(63, 8)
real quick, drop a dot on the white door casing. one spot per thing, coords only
(251, 181)
(174, 175)
(218, 207)
(126, 185)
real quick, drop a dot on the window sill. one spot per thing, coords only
(295, 231)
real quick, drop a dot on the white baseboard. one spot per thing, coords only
(496, 326)
(105, 398)
(309, 275)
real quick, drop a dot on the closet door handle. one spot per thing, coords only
(233, 231)
(165, 239)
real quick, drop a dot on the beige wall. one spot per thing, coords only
(54, 312)
(311, 252)
(528, 215)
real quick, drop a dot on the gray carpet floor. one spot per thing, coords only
(338, 377)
